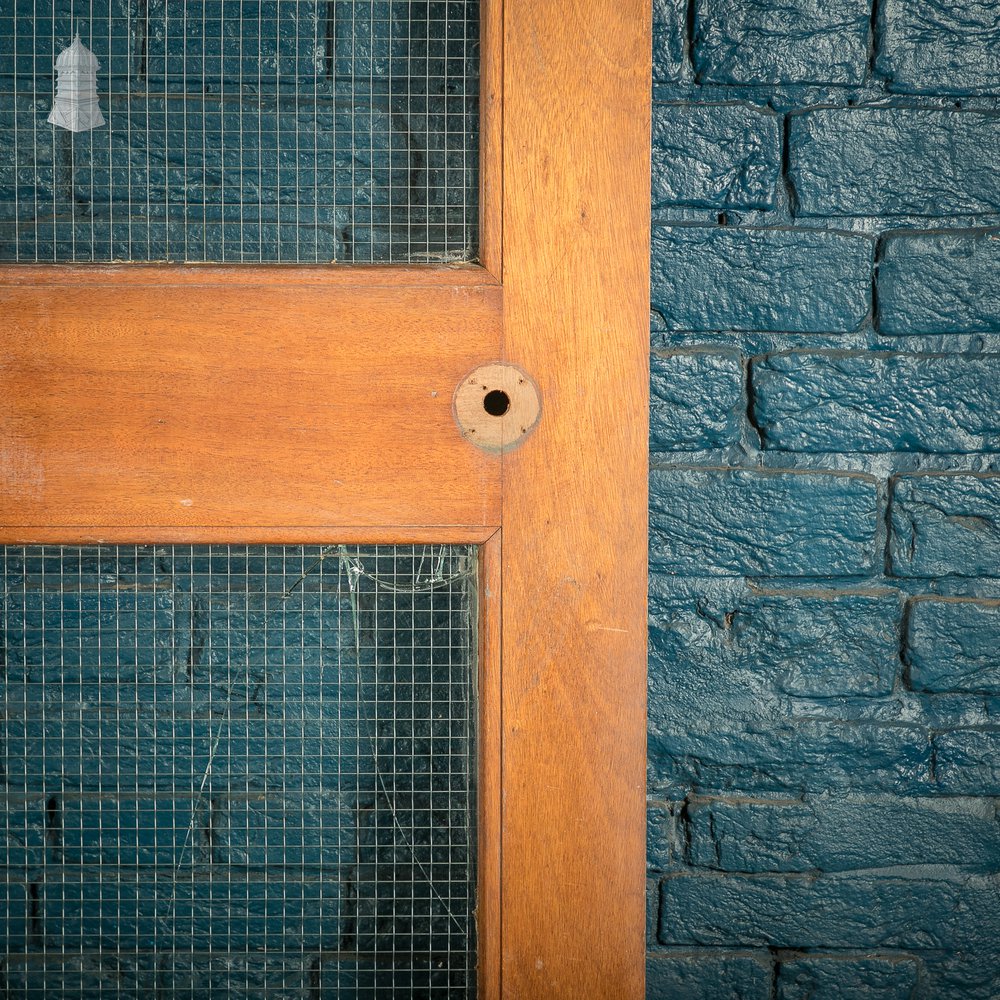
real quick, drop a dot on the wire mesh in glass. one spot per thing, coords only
(239, 772)
(291, 131)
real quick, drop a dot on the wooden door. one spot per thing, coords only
(147, 403)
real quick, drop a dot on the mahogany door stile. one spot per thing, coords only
(576, 317)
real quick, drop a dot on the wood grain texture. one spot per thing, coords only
(488, 853)
(360, 275)
(242, 405)
(491, 136)
(576, 306)
(412, 534)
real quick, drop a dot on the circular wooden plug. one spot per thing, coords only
(497, 406)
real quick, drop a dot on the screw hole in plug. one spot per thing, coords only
(496, 402)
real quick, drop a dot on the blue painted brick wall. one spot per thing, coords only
(824, 744)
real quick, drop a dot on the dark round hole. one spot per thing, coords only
(496, 402)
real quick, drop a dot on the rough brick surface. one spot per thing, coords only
(760, 279)
(272, 917)
(270, 832)
(798, 41)
(940, 46)
(830, 911)
(696, 400)
(719, 709)
(708, 975)
(734, 521)
(669, 39)
(940, 283)
(959, 976)
(967, 762)
(715, 156)
(133, 832)
(945, 526)
(840, 977)
(823, 677)
(954, 645)
(835, 833)
(826, 644)
(895, 161)
(822, 646)
(763, 748)
(870, 402)
(661, 836)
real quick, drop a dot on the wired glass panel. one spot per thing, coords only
(299, 131)
(239, 772)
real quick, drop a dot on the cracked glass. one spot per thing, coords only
(238, 771)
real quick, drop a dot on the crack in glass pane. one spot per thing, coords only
(238, 771)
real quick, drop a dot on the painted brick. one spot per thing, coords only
(79, 645)
(826, 645)
(708, 975)
(715, 155)
(954, 645)
(895, 161)
(128, 753)
(840, 977)
(68, 976)
(940, 283)
(799, 41)
(15, 917)
(761, 279)
(823, 646)
(133, 832)
(945, 525)
(239, 43)
(866, 402)
(23, 834)
(696, 400)
(842, 833)
(741, 522)
(829, 911)
(652, 909)
(719, 667)
(275, 914)
(660, 835)
(962, 976)
(669, 35)
(280, 831)
(967, 762)
(759, 748)
(940, 46)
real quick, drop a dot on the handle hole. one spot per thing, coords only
(496, 402)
